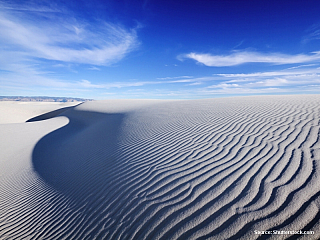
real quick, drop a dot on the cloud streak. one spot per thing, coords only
(313, 33)
(242, 57)
(63, 38)
(37, 37)
(284, 81)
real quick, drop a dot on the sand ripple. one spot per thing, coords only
(200, 169)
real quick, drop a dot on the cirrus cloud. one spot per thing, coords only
(53, 35)
(242, 57)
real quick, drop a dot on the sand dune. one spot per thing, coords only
(18, 112)
(150, 169)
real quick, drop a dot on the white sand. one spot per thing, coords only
(151, 169)
(18, 112)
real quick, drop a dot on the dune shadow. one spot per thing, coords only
(51, 114)
(77, 159)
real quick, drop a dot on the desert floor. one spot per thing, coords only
(220, 168)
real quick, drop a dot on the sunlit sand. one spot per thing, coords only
(153, 169)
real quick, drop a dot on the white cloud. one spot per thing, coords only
(179, 77)
(306, 80)
(287, 72)
(288, 80)
(94, 68)
(87, 84)
(37, 36)
(313, 33)
(241, 57)
(302, 66)
(64, 38)
(195, 83)
(225, 85)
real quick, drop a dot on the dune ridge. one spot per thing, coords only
(151, 169)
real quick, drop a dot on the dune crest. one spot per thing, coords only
(151, 169)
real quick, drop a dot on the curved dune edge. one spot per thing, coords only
(198, 169)
(19, 112)
(52, 114)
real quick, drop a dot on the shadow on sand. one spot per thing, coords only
(77, 159)
(51, 114)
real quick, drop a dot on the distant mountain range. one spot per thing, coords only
(42, 99)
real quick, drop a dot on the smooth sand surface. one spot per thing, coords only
(151, 169)
(18, 112)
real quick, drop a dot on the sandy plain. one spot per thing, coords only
(220, 168)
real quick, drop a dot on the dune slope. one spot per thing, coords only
(142, 169)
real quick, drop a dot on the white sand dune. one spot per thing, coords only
(18, 112)
(151, 169)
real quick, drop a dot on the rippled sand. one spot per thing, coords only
(151, 169)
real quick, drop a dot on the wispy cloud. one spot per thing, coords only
(38, 37)
(94, 68)
(88, 84)
(63, 38)
(179, 77)
(241, 57)
(313, 33)
(288, 80)
(303, 79)
(32, 6)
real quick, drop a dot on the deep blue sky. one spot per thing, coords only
(159, 49)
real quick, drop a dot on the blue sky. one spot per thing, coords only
(159, 49)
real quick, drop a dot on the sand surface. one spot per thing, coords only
(18, 112)
(151, 169)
